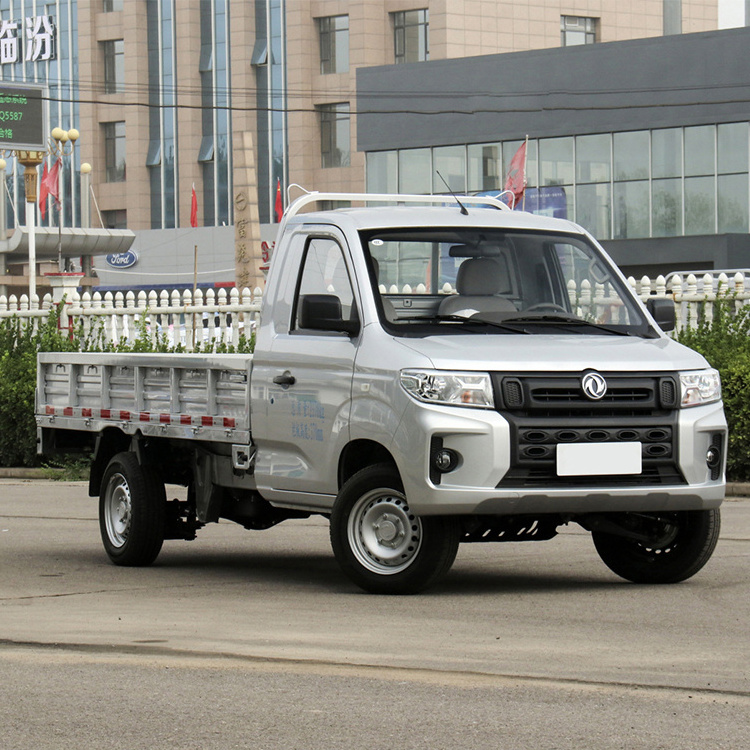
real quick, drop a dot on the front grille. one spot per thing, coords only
(541, 478)
(547, 410)
(563, 394)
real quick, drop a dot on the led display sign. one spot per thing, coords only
(22, 117)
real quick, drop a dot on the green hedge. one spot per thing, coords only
(725, 342)
(19, 345)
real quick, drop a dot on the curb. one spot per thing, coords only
(738, 489)
(23, 472)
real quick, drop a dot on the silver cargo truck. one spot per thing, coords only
(423, 375)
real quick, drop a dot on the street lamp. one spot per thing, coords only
(62, 144)
(30, 161)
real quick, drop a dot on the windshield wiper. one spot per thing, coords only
(476, 320)
(561, 320)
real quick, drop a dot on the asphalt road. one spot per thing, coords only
(256, 640)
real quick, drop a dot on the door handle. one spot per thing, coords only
(285, 379)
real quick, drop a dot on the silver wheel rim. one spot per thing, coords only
(118, 510)
(384, 535)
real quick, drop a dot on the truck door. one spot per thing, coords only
(306, 379)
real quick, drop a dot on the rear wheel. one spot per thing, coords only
(132, 505)
(380, 544)
(676, 547)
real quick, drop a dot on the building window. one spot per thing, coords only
(449, 166)
(631, 200)
(672, 11)
(577, 30)
(114, 151)
(411, 36)
(334, 134)
(115, 219)
(334, 44)
(114, 66)
(593, 183)
(382, 172)
(415, 171)
(700, 179)
(111, 5)
(732, 161)
(666, 182)
(485, 166)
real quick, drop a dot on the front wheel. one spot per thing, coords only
(678, 545)
(380, 544)
(132, 506)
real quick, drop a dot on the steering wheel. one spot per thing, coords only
(546, 306)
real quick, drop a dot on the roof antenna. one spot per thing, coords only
(455, 197)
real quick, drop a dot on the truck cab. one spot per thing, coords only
(497, 362)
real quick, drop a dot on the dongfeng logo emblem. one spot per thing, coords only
(594, 385)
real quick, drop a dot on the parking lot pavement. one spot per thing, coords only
(244, 636)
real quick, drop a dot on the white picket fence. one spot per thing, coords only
(224, 316)
(176, 317)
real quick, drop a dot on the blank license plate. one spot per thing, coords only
(594, 459)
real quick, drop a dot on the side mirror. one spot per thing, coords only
(663, 312)
(322, 312)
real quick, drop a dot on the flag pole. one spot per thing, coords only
(525, 163)
(194, 225)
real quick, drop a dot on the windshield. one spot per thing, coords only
(504, 282)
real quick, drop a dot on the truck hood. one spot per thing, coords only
(539, 353)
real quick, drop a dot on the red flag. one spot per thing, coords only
(194, 209)
(515, 181)
(43, 193)
(279, 207)
(50, 186)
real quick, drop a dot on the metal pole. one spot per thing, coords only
(3, 229)
(86, 265)
(61, 181)
(31, 230)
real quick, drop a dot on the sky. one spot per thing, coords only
(731, 13)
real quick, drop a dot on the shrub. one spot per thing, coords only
(725, 342)
(19, 345)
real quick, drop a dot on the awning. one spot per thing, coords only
(75, 242)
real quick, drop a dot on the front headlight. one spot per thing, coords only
(700, 387)
(449, 388)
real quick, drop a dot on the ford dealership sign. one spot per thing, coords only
(122, 260)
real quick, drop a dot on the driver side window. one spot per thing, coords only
(324, 272)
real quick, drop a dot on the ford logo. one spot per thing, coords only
(122, 260)
(593, 385)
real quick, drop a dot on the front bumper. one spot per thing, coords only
(482, 439)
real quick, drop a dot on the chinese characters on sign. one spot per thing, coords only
(38, 32)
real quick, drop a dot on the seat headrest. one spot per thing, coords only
(483, 276)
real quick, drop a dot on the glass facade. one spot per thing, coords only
(60, 74)
(635, 184)
(215, 149)
(269, 62)
(162, 93)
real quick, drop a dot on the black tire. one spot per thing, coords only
(380, 544)
(683, 543)
(132, 504)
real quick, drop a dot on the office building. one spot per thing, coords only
(237, 98)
